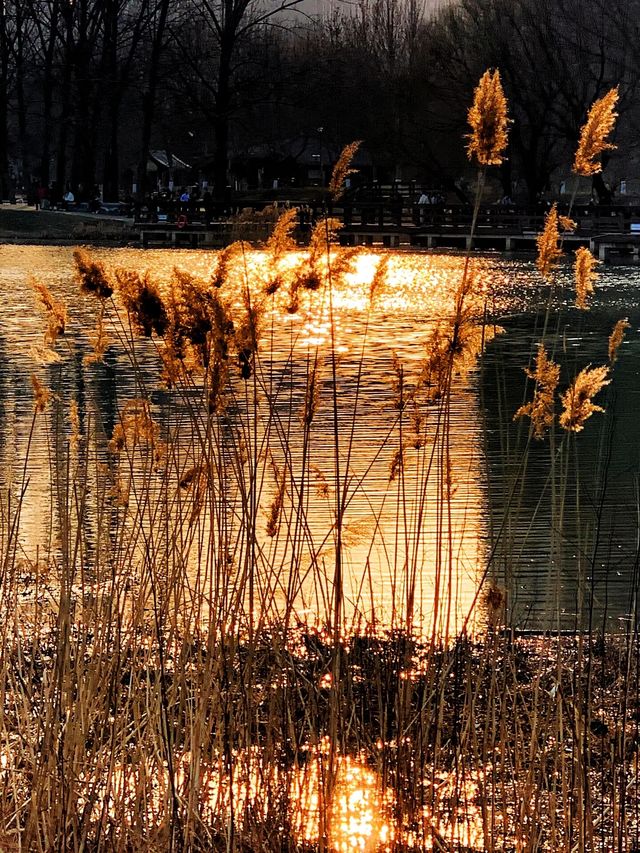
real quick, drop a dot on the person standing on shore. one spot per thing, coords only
(40, 196)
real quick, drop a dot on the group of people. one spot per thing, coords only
(184, 202)
(430, 198)
(426, 199)
(52, 198)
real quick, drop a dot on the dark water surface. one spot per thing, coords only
(554, 523)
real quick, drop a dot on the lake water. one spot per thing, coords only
(553, 524)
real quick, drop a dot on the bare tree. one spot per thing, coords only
(81, 22)
(555, 57)
(45, 16)
(124, 25)
(9, 14)
(370, 78)
(155, 41)
(4, 98)
(213, 51)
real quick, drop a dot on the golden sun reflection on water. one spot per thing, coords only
(403, 557)
(353, 811)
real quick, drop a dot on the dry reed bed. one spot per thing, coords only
(148, 708)
(503, 744)
(145, 707)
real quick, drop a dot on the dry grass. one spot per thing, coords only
(160, 693)
(159, 688)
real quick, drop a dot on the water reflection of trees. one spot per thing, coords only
(565, 537)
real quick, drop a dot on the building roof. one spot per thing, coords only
(167, 160)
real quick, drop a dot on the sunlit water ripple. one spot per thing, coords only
(554, 546)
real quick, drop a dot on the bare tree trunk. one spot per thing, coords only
(221, 123)
(111, 168)
(88, 94)
(5, 188)
(83, 165)
(45, 45)
(19, 54)
(65, 108)
(149, 95)
(111, 171)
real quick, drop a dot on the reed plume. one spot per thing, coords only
(541, 409)
(217, 381)
(247, 335)
(98, 339)
(396, 466)
(279, 243)
(566, 224)
(453, 348)
(198, 494)
(379, 277)
(578, 406)
(188, 478)
(41, 394)
(275, 511)
(220, 274)
(342, 262)
(616, 337)
(311, 396)
(281, 240)
(141, 298)
(200, 326)
(323, 234)
(454, 344)
(599, 124)
(312, 272)
(274, 284)
(200, 332)
(195, 480)
(342, 169)
(321, 486)
(120, 491)
(91, 275)
(55, 312)
(494, 597)
(135, 426)
(293, 303)
(435, 374)
(190, 323)
(549, 251)
(585, 276)
(489, 121)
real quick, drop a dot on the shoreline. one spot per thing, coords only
(24, 225)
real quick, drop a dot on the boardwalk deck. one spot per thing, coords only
(611, 233)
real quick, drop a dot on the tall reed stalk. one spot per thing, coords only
(167, 689)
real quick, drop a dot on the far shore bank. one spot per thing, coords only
(24, 224)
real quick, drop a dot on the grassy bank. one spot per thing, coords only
(21, 224)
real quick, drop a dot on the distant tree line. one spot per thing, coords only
(88, 87)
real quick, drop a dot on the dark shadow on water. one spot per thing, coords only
(564, 510)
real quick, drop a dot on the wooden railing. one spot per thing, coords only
(390, 214)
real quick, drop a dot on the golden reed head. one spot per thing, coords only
(593, 136)
(489, 121)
